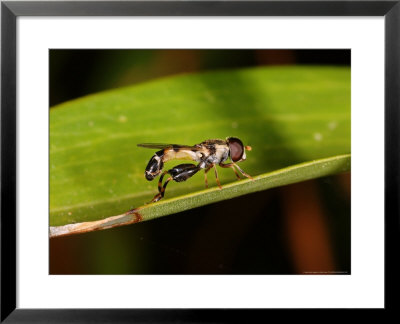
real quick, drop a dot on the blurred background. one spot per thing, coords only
(297, 229)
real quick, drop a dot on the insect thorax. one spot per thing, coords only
(213, 154)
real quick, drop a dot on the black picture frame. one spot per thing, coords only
(11, 10)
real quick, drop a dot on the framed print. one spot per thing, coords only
(111, 111)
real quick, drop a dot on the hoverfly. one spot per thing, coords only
(208, 154)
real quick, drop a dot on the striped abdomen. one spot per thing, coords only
(154, 166)
(156, 163)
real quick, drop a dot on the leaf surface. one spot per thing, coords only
(289, 115)
(285, 176)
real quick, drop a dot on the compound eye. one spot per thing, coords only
(236, 149)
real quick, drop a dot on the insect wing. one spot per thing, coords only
(154, 145)
(163, 146)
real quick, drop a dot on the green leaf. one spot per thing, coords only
(289, 115)
(285, 176)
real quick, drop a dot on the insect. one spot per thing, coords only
(208, 154)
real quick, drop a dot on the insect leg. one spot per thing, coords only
(182, 172)
(216, 176)
(242, 172)
(232, 166)
(160, 181)
(161, 189)
(179, 173)
(205, 175)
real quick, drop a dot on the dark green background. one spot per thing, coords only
(294, 229)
